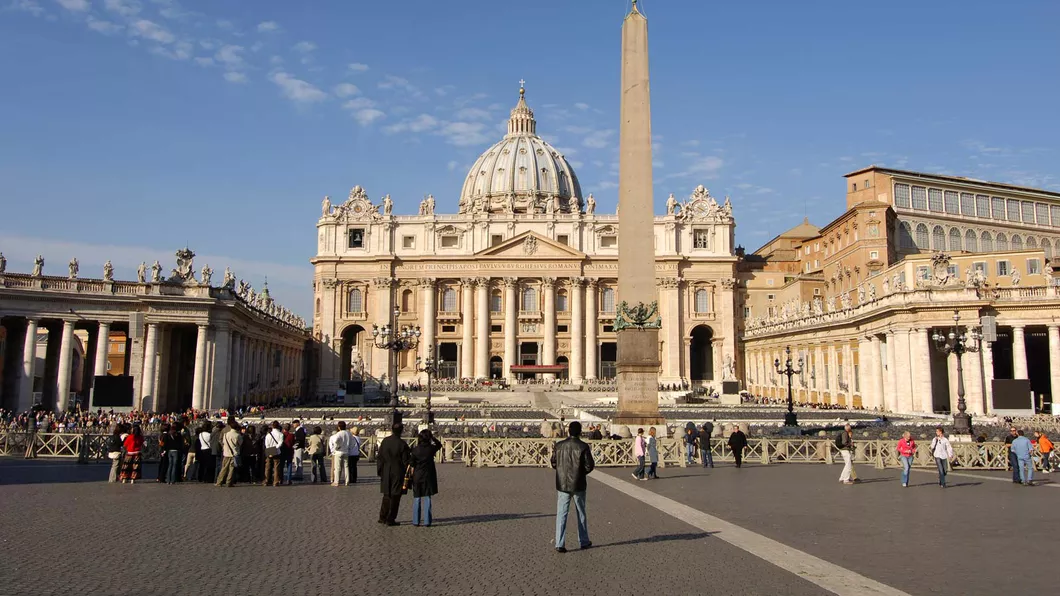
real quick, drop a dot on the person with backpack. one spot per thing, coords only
(315, 447)
(273, 455)
(942, 450)
(704, 445)
(844, 442)
(639, 452)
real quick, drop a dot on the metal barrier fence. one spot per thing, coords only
(480, 453)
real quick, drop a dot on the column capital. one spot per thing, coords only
(330, 283)
(592, 283)
(548, 282)
(575, 282)
(1053, 327)
(670, 283)
(467, 282)
(383, 282)
(511, 282)
(427, 283)
(482, 282)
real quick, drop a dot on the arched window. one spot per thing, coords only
(1047, 248)
(495, 301)
(607, 300)
(922, 237)
(353, 301)
(702, 301)
(406, 301)
(905, 235)
(1001, 242)
(561, 301)
(1032, 242)
(938, 238)
(986, 242)
(955, 239)
(318, 306)
(1017, 242)
(449, 300)
(970, 241)
(529, 299)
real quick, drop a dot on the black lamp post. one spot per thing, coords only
(429, 366)
(790, 419)
(395, 340)
(958, 342)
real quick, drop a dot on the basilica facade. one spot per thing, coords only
(524, 274)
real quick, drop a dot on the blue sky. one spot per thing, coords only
(131, 127)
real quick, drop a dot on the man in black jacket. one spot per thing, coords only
(391, 462)
(737, 443)
(299, 450)
(573, 461)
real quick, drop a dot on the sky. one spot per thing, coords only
(131, 128)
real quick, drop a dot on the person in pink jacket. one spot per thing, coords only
(906, 448)
(640, 448)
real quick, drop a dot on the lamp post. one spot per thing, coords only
(429, 366)
(958, 342)
(790, 419)
(395, 340)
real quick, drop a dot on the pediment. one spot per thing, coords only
(531, 245)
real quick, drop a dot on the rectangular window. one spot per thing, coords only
(408, 242)
(1013, 210)
(923, 273)
(448, 328)
(495, 302)
(1034, 267)
(770, 296)
(901, 196)
(608, 241)
(953, 271)
(496, 239)
(450, 241)
(563, 239)
(1028, 211)
(1043, 214)
(817, 291)
(953, 202)
(769, 282)
(997, 208)
(919, 198)
(356, 238)
(562, 329)
(967, 204)
(874, 254)
(746, 312)
(701, 239)
(979, 266)
(982, 206)
(609, 328)
(935, 199)
(816, 263)
(561, 302)
(1054, 215)
(1002, 268)
(495, 328)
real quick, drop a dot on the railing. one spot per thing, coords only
(490, 453)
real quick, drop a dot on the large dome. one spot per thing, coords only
(522, 173)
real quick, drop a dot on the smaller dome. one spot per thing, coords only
(521, 173)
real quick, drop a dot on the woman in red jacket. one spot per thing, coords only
(906, 448)
(130, 465)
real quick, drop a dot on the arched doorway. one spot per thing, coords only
(496, 367)
(701, 354)
(351, 362)
(566, 372)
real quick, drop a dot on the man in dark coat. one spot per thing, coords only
(737, 443)
(573, 461)
(391, 462)
(704, 445)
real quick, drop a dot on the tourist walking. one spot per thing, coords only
(299, 451)
(391, 464)
(573, 461)
(1045, 447)
(844, 442)
(653, 454)
(424, 477)
(163, 454)
(205, 457)
(691, 440)
(1013, 461)
(215, 450)
(287, 453)
(273, 455)
(704, 445)
(737, 443)
(231, 442)
(130, 465)
(248, 455)
(353, 456)
(316, 447)
(906, 450)
(640, 449)
(1023, 449)
(191, 462)
(339, 445)
(171, 444)
(942, 451)
(114, 451)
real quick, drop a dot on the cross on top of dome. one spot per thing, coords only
(522, 118)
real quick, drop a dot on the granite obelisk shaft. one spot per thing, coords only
(638, 348)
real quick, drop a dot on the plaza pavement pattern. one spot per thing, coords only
(781, 529)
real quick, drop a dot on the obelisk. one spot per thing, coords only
(636, 321)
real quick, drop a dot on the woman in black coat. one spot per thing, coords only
(424, 476)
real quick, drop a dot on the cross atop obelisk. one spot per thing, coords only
(637, 321)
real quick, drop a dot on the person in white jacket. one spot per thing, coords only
(942, 450)
(339, 445)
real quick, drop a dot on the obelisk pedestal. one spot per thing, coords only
(636, 321)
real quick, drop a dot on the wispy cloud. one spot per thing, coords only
(151, 31)
(473, 114)
(101, 26)
(296, 89)
(235, 77)
(598, 139)
(231, 57)
(582, 106)
(368, 116)
(421, 123)
(75, 5)
(268, 27)
(28, 6)
(357, 67)
(396, 83)
(125, 8)
(452, 165)
(359, 103)
(346, 90)
(304, 47)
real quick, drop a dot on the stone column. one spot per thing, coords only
(482, 328)
(549, 340)
(29, 365)
(1019, 353)
(220, 396)
(818, 372)
(148, 399)
(511, 319)
(233, 379)
(1054, 366)
(877, 380)
(670, 307)
(591, 325)
(430, 316)
(890, 389)
(865, 376)
(102, 349)
(66, 357)
(903, 372)
(973, 384)
(199, 380)
(577, 330)
(921, 369)
(329, 372)
(467, 343)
